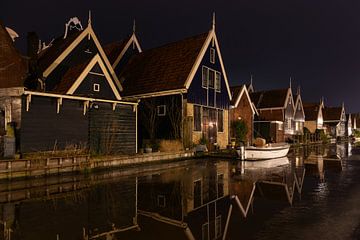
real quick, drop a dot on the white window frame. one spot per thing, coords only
(280, 126)
(212, 55)
(206, 225)
(211, 70)
(158, 110)
(96, 87)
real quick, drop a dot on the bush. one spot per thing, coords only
(239, 130)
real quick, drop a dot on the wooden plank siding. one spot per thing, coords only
(107, 131)
(43, 129)
(112, 132)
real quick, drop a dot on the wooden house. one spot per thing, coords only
(183, 89)
(242, 108)
(275, 121)
(335, 121)
(313, 116)
(71, 98)
(194, 200)
(299, 115)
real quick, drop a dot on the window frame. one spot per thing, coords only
(205, 77)
(217, 81)
(222, 124)
(158, 201)
(212, 55)
(96, 87)
(158, 113)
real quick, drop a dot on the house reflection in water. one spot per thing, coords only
(74, 209)
(195, 200)
(277, 179)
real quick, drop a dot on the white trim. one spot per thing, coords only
(59, 103)
(96, 87)
(156, 94)
(212, 57)
(132, 40)
(30, 93)
(242, 91)
(289, 96)
(87, 32)
(211, 36)
(95, 73)
(80, 79)
(298, 99)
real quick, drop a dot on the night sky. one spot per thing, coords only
(316, 42)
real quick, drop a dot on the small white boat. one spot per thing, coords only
(269, 151)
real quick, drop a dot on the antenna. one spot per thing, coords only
(290, 82)
(251, 79)
(89, 19)
(213, 21)
(134, 26)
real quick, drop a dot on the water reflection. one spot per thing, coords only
(195, 199)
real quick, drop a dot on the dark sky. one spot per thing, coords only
(317, 42)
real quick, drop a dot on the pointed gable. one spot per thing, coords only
(171, 67)
(120, 52)
(299, 114)
(70, 51)
(90, 79)
(13, 67)
(237, 93)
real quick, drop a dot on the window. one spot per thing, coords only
(197, 118)
(211, 78)
(161, 110)
(161, 200)
(205, 231)
(205, 76)
(96, 87)
(280, 126)
(289, 123)
(218, 81)
(220, 121)
(212, 55)
(218, 226)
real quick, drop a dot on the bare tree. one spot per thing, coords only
(175, 115)
(148, 116)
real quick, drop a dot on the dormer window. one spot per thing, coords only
(212, 55)
(96, 87)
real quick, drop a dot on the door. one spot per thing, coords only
(210, 126)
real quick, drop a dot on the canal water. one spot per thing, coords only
(314, 193)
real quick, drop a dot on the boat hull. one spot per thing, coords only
(262, 153)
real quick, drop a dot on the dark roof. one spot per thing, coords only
(113, 50)
(163, 68)
(235, 91)
(311, 111)
(269, 99)
(13, 67)
(70, 77)
(332, 113)
(58, 46)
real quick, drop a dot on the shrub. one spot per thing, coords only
(239, 130)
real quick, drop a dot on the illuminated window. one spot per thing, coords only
(96, 87)
(161, 110)
(212, 55)
(280, 126)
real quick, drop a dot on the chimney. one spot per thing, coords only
(32, 45)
